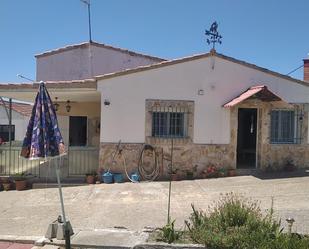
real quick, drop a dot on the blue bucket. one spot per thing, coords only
(107, 177)
(135, 177)
(118, 178)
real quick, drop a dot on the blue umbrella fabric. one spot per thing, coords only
(43, 138)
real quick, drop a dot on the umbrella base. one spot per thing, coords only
(57, 230)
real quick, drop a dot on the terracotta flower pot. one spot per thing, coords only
(7, 186)
(90, 179)
(174, 177)
(21, 185)
(232, 172)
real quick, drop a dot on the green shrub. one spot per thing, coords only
(168, 233)
(236, 222)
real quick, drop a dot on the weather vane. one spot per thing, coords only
(213, 34)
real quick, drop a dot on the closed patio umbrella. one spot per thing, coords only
(44, 140)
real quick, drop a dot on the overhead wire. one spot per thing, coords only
(294, 70)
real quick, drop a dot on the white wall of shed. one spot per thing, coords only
(18, 120)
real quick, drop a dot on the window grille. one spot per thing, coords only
(285, 127)
(169, 121)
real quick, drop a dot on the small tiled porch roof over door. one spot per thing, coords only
(260, 92)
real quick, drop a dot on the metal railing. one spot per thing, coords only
(83, 160)
(80, 161)
(11, 163)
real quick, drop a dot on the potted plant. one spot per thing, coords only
(211, 171)
(173, 173)
(289, 165)
(91, 177)
(189, 174)
(20, 181)
(222, 172)
(6, 183)
(231, 171)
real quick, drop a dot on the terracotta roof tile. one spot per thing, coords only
(87, 83)
(260, 92)
(22, 108)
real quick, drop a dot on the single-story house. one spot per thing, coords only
(216, 109)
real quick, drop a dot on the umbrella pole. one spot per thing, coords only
(170, 187)
(66, 230)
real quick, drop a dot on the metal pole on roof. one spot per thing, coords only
(87, 2)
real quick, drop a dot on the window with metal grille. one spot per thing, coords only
(5, 131)
(284, 127)
(168, 124)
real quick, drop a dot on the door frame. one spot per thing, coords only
(257, 149)
(87, 129)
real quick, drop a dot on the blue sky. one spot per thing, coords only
(270, 33)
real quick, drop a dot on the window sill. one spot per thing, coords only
(168, 140)
(284, 143)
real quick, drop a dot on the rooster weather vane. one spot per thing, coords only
(213, 34)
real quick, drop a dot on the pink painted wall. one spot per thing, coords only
(82, 62)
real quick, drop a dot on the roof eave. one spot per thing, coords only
(197, 57)
(87, 44)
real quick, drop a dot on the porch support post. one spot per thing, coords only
(10, 133)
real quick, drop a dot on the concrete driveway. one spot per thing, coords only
(136, 206)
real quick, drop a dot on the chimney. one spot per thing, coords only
(306, 69)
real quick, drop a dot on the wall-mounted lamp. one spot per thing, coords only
(56, 105)
(107, 102)
(68, 106)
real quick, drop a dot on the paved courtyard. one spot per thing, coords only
(136, 206)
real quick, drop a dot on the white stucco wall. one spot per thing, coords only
(74, 64)
(125, 118)
(18, 120)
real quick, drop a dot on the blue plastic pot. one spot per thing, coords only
(118, 178)
(135, 177)
(107, 177)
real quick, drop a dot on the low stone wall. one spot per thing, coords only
(276, 156)
(186, 157)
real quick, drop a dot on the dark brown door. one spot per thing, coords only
(246, 137)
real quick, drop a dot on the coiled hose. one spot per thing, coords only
(149, 173)
(146, 173)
